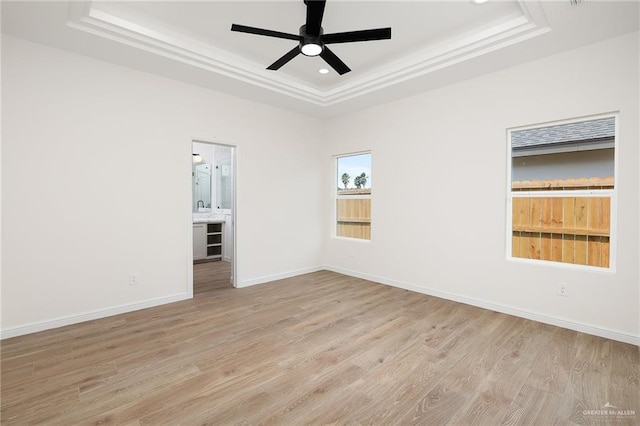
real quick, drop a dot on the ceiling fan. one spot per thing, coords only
(312, 41)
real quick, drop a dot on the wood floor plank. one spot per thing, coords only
(551, 369)
(502, 385)
(321, 348)
(532, 406)
(456, 387)
(604, 373)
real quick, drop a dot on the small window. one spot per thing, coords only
(562, 192)
(353, 196)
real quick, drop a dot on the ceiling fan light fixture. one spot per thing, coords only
(311, 49)
(310, 44)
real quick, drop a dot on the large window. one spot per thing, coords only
(353, 196)
(562, 192)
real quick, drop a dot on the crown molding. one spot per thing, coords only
(531, 23)
(84, 17)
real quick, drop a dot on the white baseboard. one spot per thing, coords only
(583, 328)
(274, 277)
(74, 319)
(88, 316)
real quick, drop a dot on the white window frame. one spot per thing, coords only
(336, 197)
(611, 193)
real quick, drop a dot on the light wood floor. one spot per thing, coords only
(316, 349)
(211, 276)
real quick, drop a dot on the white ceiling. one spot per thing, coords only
(434, 43)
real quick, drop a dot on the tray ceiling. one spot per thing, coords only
(433, 42)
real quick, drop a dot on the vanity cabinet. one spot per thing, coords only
(199, 241)
(207, 241)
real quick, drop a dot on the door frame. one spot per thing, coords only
(234, 209)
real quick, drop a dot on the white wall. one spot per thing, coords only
(70, 243)
(439, 200)
(69, 258)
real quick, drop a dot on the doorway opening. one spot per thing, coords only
(213, 210)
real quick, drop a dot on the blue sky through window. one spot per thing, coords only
(354, 165)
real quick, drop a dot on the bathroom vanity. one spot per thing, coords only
(208, 240)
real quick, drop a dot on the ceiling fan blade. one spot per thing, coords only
(284, 59)
(315, 10)
(334, 61)
(363, 35)
(263, 32)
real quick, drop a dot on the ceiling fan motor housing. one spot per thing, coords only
(307, 40)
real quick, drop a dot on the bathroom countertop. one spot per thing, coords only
(208, 220)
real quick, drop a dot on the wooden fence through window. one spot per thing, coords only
(354, 215)
(571, 229)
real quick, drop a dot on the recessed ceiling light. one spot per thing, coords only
(323, 71)
(480, 1)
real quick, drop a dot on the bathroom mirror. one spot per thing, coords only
(201, 187)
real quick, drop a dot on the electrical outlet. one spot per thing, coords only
(563, 290)
(133, 279)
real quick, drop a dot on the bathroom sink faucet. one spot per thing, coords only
(198, 204)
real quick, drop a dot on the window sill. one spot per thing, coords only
(562, 265)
